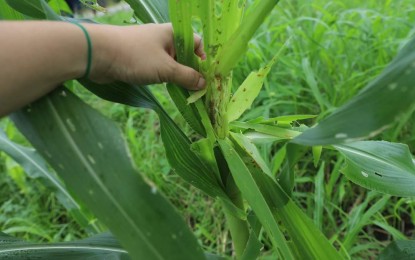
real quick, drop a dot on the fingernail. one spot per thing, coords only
(201, 84)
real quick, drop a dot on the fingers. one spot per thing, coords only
(199, 47)
(187, 77)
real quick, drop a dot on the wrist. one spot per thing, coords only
(103, 50)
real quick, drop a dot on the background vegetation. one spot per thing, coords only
(334, 49)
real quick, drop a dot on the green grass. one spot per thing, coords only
(334, 49)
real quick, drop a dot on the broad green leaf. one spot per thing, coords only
(247, 92)
(32, 8)
(36, 167)
(60, 5)
(236, 46)
(103, 246)
(308, 241)
(50, 13)
(381, 166)
(401, 249)
(150, 11)
(137, 96)
(90, 155)
(179, 154)
(374, 109)
(8, 13)
(187, 163)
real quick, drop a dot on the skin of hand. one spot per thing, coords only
(35, 57)
(145, 54)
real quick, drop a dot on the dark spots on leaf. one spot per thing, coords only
(380, 175)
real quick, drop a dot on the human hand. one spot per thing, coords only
(142, 54)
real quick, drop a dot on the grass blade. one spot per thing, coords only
(36, 167)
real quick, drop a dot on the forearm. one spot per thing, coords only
(35, 57)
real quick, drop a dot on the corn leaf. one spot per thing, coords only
(32, 8)
(261, 138)
(278, 132)
(60, 6)
(103, 246)
(89, 153)
(374, 109)
(235, 47)
(8, 13)
(283, 120)
(401, 249)
(255, 198)
(150, 11)
(381, 166)
(247, 92)
(188, 111)
(293, 154)
(253, 247)
(309, 242)
(181, 17)
(187, 163)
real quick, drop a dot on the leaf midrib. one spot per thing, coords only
(94, 175)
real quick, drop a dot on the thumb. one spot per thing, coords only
(187, 77)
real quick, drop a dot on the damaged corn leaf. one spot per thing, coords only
(382, 166)
(248, 91)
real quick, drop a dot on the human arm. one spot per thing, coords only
(37, 56)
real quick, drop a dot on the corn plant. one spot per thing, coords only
(224, 162)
